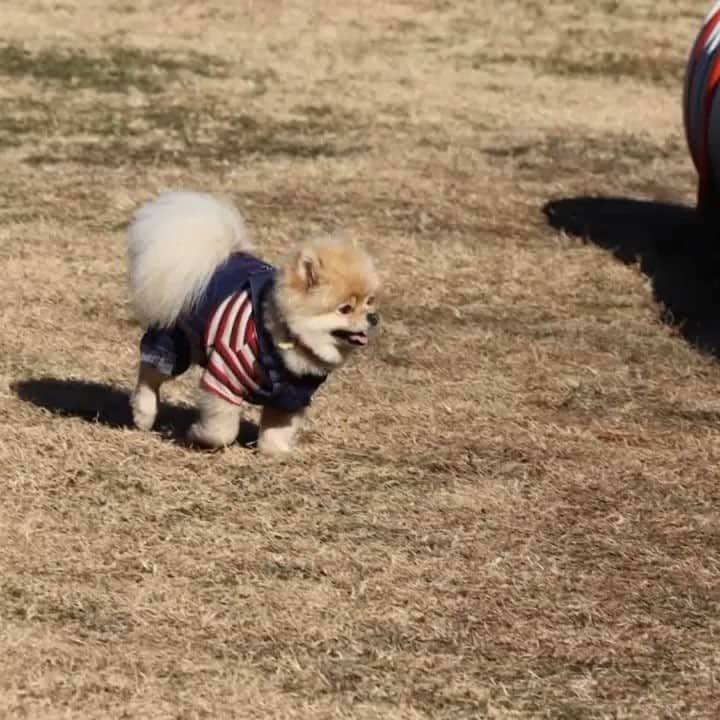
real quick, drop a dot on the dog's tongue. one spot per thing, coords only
(359, 338)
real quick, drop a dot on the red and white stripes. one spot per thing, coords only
(231, 345)
(701, 107)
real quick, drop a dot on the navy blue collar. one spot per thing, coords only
(287, 391)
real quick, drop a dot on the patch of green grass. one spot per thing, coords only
(119, 70)
(649, 68)
(22, 118)
(598, 155)
(175, 135)
(656, 69)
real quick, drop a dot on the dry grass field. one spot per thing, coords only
(507, 508)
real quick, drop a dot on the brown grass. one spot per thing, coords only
(508, 508)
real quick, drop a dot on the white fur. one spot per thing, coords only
(175, 244)
(278, 430)
(219, 422)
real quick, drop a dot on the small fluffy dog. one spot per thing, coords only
(263, 335)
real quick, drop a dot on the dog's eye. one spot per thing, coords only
(345, 309)
(371, 300)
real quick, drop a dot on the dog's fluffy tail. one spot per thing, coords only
(175, 244)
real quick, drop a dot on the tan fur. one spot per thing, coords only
(318, 280)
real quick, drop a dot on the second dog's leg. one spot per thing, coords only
(144, 399)
(278, 430)
(219, 422)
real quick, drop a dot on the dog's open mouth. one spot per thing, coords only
(351, 337)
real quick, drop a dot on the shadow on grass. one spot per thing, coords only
(671, 246)
(109, 406)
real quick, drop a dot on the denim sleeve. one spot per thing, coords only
(166, 350)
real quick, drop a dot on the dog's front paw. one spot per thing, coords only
(144, 405)
(200, 434)
(272, 446)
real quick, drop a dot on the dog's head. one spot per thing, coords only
(327, 296)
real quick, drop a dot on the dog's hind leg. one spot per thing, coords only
(144, 399)
(164, 354)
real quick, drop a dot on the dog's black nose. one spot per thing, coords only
(373, 319)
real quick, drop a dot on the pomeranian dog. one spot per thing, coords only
(263, 335)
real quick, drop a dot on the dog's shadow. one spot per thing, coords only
(110, 406)
(676, 250)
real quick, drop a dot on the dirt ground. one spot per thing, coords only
(507, 508)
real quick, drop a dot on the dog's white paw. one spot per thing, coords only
(200, 434)
(144, 403)
(273, 446)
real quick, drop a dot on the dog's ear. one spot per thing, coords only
(308, 265)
